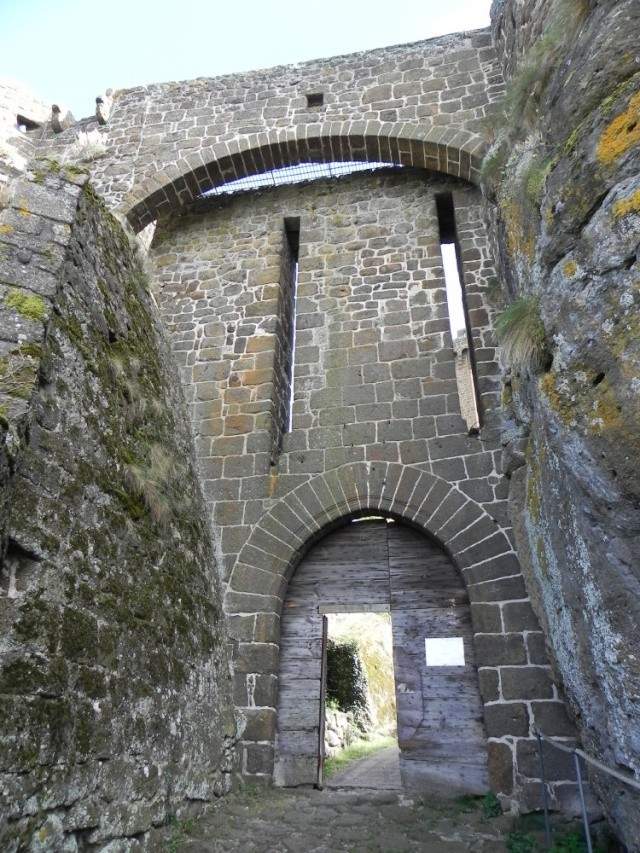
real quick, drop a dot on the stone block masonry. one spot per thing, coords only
(374, 364)
(113, 614)
(421, 104)
(376, 426)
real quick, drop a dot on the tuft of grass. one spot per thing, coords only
(521, 335)
(179, 832)
(145, 483)
(526, 88)
(490, 805)
(90, 146)
(520, 842)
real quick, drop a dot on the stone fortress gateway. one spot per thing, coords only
(262, 418)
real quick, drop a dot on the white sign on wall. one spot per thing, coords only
(444, 651)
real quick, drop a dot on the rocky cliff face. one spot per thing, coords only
(114, 681)
(564, 201)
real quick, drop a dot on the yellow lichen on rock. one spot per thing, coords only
(549, 385)
(569, 269)
(621, 134)
(607, 413)
(520, 236)
(626, 205)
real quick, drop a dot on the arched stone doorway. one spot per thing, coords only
(374, 565)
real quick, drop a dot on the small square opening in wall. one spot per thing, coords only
(444, 651)
(315, 100)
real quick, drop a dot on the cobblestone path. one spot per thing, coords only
(309, 821)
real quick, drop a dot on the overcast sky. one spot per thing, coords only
(69, 51)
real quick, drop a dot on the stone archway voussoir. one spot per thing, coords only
(459, 152)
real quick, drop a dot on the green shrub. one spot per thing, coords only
(346, 678)
(520, 842)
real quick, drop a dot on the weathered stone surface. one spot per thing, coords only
(113, 667)
(573, 242)
(501, 767)
(509, 648)
(527, 682)
(506, 718)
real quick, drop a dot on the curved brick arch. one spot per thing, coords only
(514, 672)
(480, 550)
(451, 150)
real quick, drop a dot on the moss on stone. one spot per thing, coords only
(534, 475)
(132, 596)
(605, 414)
(30, 350)
(39, 621)
(92, 683)
(78, 635)
(22, 676)
(29, 307)
(74, 170)
(49, 163)
(541, 556)
(521, 233)
(535, 178)
(493, 166)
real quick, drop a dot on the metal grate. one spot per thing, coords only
(296, 175)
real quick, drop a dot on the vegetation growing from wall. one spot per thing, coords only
(521, 335)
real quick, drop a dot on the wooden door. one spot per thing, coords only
(348, 569)
(381, 565)
(439, 709)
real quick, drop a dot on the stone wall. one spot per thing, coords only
(564, 178)
(466, 382)
(16, 147)
(374, 363)
(376, 423)
(113, 671)
(421, 104)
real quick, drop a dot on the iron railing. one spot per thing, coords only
(577, 755)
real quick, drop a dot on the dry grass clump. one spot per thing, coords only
(90, 146)
(150, 480)
(521, 335)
